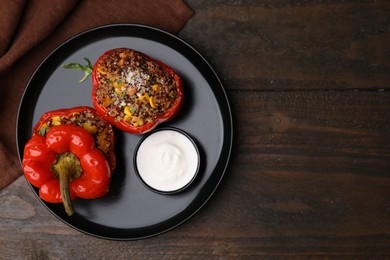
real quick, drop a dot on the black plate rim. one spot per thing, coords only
(229, 127)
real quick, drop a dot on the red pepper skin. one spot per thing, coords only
(68, 112)
(50, 192)
(40, 154)
(122, 124)
(95, 172)
(37, 159)
(70, 138)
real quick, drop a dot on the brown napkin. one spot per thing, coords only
(29, 30)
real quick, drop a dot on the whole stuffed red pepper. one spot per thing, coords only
(135, 92)
(82, 117)
(66, 164)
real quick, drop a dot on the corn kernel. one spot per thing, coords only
(127, 118)
(118, 91)
(135, 123)
(141, 121)
(92, 129)
(156, 88)
(106, 102)
(127, 111)
(101, 71)
(144, 96)
(152, 102)
(56, 120)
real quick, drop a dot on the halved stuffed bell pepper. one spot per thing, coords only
(71, 154)
(135, 92)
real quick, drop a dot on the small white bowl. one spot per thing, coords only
(167, 160)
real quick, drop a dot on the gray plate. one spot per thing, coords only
(130, 210)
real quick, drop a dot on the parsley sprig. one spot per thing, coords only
(76, 66)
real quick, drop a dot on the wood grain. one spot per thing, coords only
(299, 184)
(277, 45)
(308, 83)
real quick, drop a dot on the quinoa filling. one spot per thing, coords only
(100, 129)
(133, 88)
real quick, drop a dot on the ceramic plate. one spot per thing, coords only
(130, 210)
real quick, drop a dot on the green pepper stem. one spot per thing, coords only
(65, 193)
(67, 167)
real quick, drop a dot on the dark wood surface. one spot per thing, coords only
(309, 84)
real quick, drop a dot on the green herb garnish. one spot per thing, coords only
(42, 131)
(76, 66)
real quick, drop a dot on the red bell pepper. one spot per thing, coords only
(87, 118)
(135, 92)
(66, 164)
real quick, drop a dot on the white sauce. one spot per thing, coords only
(167, 160)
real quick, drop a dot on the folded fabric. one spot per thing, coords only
(30, 30)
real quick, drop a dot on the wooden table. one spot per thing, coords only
(309, 85)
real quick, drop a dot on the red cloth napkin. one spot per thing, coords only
(30, 30)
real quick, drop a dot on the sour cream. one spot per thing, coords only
(167, 160)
